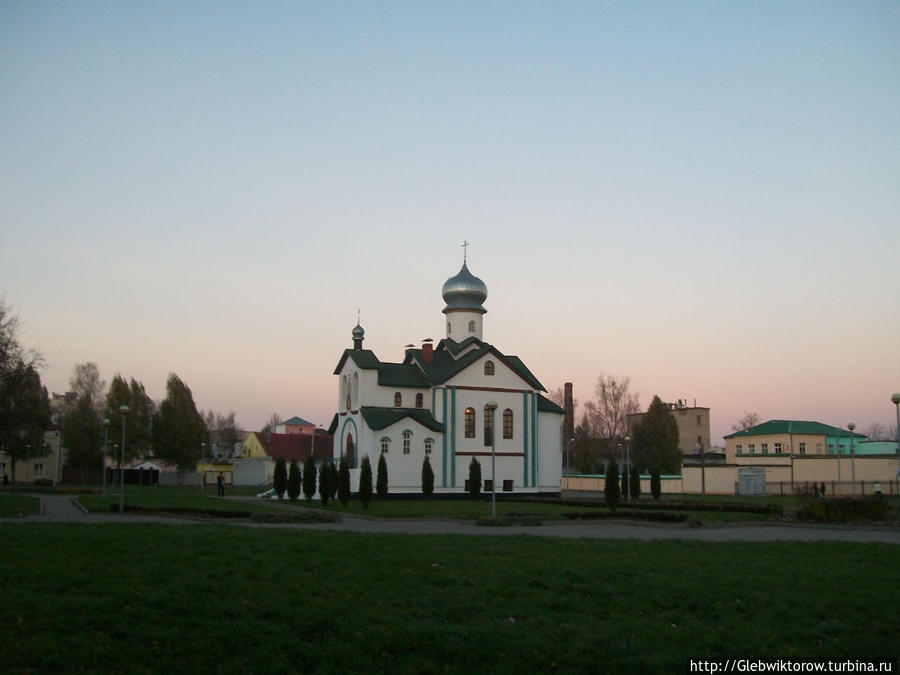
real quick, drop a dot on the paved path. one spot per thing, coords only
(64, 509)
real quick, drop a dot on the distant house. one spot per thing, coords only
(256, 466)
(45, 467)
(295, 425)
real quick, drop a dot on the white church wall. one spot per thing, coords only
(503, 376)
(458, 325)
(549, 449)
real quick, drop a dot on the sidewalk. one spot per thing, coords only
(64, 509)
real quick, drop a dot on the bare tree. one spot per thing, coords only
(274, 421)
(747, 421)
(879, 432)
(607, 414)
(222, 431)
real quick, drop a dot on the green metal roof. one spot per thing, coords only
(364, 358)
(773, 427)
(381, 418)
(544, 404)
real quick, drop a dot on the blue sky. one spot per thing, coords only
(700, 195)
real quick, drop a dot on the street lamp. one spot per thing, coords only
(103, 463)
(492, 406)
(895, 399)
(851, 427)
(124, 410)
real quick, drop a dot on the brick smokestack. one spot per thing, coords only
(569, 407)
(428, 353)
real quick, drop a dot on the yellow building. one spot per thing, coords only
(693, 426)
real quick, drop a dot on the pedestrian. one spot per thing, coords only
(220, 481)
(823, 488)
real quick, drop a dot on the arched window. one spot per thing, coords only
(488, 367)
(429, 443)
(385, 444)
(488, 425)
(471, 326)
(398, 400)
(350, 451)
(407, 437)
(348, 400)
(419, 400)
(507, 423)
(470, 423)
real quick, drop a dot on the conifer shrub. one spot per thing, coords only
(427, 477)
(635, 483)
(381, 481)
(309, 478)
(293, 483)
(333, 482)
(279, 480)
(611, 486)
(365, 482)
(324, 484)
(344, 481)
(474, 478)
(655, 484)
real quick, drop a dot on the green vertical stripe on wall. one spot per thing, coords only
(444, 438)
(533, 440)
(453, 437)
(525, 436)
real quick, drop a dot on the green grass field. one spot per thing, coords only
(170, 598)
(18, 505)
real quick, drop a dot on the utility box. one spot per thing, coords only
(752, 481)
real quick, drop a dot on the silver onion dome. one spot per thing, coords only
(465, 291)
(358, 332)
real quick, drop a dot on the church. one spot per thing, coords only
(448, 402)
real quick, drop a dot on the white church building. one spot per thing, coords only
(443, 402)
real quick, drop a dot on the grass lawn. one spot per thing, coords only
(138, 495)
(18, 505)
(170, 598)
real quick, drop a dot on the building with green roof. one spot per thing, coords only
(448, 402)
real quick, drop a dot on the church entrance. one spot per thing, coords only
(350, 452)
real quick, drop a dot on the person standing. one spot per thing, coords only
(220, 482)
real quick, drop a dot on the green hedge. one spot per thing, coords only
(722, 507)
(654, 516)
(842, 510)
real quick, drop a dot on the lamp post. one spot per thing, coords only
(103, 463)
(837, 451)
(202, 462)
(628, 464)
(124, 410)
(491, 407)
(851, 427)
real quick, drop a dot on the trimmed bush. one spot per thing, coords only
(334, 479)
(427, 477)
(611, 486)
(842, 510)
(309, 478)
(655, 484)
(305, 516)
(293, 483)
(365, 482)
(474, 478)
(635, 483)
(279, 480)
(324, 484)
(381, 482)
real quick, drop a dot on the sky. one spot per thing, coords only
(701, 196)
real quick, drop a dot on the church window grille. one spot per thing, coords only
(470, 423)
(419, 400)
(385, 445)
(471, 326)
(488, 367)
(348, 400)
(407, 436)
(398, 400)
(488, 426)
(507, 424)
(429, 443)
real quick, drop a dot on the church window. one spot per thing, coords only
(398, 400)
(470, 422)
(488, 425)
(419, 400)
(488, 367)
(385, 444)
(348, 400)
(407, 435)
(507, 423)
(448, 328)
(471, 326)
(429, 443)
